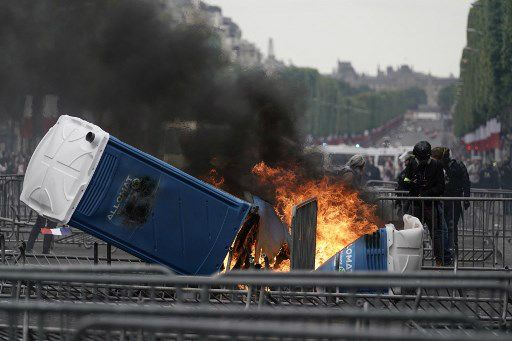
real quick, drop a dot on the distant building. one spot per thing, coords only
(237, 49)
(271, 64)
(402, 78)
(184, 10)
(248, 55)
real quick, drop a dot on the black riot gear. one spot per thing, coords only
(422, 150)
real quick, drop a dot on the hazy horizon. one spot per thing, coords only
(428, 35)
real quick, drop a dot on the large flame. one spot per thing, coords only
(342, 215)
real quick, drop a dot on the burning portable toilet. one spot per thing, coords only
(384, 250)
(81, 176)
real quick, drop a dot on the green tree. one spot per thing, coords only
(446, 98)
(336, 108)
(485, 90)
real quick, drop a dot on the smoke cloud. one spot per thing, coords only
(128, 66)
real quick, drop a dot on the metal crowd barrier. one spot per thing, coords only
(10, 203)
(143, 302)
(389, 187)
(96, 322)
(484, 227)
(481, 296)
(485, 239)
(17, 219)
(491, 193)
(19, 230)
(381, 184)
(241, 329)
(16, 254)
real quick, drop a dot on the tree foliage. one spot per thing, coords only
(335, 108)
(486, 67)
(446, 98)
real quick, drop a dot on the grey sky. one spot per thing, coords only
(427, 34)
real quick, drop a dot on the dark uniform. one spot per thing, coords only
(427, 180)
(352, 173)
(506, 183)
(404, 184)
(351, 177)
(489, 178)
(457, 185)
(41, 222)
(371, 172)
(506, 175)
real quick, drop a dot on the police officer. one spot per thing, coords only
(506, 183)
(489, 177)
(457, 185)
(506, 175)
(403, 182)
(409, 162)
(371, 172)
(427, 180)
(41, 222)
(352, 173)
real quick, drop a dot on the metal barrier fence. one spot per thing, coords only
(19, 230)
(484, 297)
(10, 203)
(96, 322)
(389, 187)
(16, 254)
(144, 302)
(139, 302)
(17, 219)
(381, 184)
(483, 237)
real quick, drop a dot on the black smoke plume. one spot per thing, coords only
(132, 68)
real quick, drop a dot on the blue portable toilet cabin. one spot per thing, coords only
(387, 249)
(81, 176)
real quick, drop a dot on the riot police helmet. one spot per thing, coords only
(422, 150)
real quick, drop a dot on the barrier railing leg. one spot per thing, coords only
(15, 227)
(109, 254)
(95, 253)
(2, 248)
(23, 256)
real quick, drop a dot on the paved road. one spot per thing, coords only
(410, 132)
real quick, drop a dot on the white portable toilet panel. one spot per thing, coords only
(405, 249)
(61, 167)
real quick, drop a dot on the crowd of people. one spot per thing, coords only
(13, 164)
(492, 175)
(489, 175)
(427, 174)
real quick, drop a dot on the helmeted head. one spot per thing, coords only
(406, 158)
(441, 154)
(422, 151)
(357, 162)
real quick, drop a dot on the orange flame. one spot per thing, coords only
(214, 178)
(342, 215)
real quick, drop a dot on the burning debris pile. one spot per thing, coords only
(342, 215)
